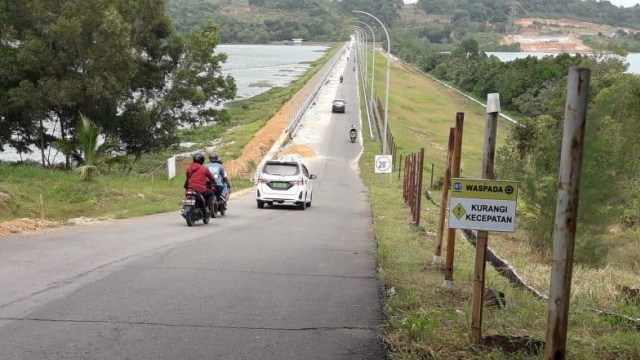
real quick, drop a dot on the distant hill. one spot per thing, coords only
(502, 11)
(262, 21)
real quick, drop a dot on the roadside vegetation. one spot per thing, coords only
(426, 322)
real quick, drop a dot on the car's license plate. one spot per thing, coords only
(279, 185)
(189, 202)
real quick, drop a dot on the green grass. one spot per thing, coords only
(424, 321)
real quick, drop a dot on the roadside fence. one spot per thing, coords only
(412, 184)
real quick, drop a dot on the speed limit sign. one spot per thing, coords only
(383, 164)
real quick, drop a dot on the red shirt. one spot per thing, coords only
(198, 176)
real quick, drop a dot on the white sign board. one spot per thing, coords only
(171, 167)
(483, 205)
(384, 164)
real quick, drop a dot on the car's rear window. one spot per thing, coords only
(281, 169)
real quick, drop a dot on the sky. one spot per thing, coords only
(625, 3)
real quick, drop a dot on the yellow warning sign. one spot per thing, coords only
(459, 211)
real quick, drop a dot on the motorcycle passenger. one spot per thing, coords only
(197, 177)
(222, 182)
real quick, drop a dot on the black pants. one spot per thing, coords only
(208, 198)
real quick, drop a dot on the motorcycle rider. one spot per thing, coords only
(341, 79)
(353, 132)
(197, 177)
(222, 181)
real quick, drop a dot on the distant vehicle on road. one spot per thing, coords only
(338, 106)
(285, 181)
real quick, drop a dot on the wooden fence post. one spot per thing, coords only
(445, 197)
(419, 190)
(455, 172)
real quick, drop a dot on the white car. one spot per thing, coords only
(285, 181)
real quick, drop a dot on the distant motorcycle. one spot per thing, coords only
(193, 208)
(341, 79)
(353, 134)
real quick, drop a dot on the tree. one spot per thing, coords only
(91, 157)
(98, 57)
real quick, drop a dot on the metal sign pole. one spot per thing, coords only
(482, 239)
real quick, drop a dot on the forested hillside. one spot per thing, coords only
(499, 11)
(263, 21)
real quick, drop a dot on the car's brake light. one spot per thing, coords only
(261, 180)
(300, 181)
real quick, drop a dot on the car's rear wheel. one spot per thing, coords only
(260, 204)
(302, 205)
(310, 200)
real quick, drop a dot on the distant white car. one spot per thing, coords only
(285, 181)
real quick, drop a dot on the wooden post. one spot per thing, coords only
(575, 114)
(416, 194)
(413, 183)
(455, 172)
(482, 238)
(432, 169)
(445, 197)
(410, 179)
(405, 181)
(419, 189)
(399, 166)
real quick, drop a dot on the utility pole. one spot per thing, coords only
(575, 116)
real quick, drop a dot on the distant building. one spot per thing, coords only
(297, 41)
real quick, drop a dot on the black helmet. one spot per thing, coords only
(213, 157)
(199, 158)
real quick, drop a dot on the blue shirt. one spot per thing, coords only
(218, 172)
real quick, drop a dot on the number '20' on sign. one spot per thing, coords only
(383, 164)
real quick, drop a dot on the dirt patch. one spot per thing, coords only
(557, 35)
(259, 145)
(299, 149)
(25, 225)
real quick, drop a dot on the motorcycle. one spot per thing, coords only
(341, 79)
(353, 134)
(193, 208)
(219, 206)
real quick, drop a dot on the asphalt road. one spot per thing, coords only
(273, 283)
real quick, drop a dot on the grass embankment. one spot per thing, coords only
(425, 322)
(146, 189)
